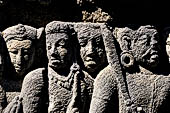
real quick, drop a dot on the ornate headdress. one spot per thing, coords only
(88, 30)
(20, 32)
(58, 27)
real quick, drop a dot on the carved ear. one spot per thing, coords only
(126, 43)
(40, 32)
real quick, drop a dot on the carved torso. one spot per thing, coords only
(60, 96)
(149, 91)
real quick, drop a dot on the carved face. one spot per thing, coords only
(92, 52)
(1, 61)
(145, 48)
(58, 50)
(168, 46)
(22, 55)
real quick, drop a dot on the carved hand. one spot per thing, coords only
(15, 106)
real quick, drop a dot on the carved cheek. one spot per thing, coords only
(168, 50)
(26, 57)
(51, 50)
(1, 60)
(83, 52)
(63, 52)
(100, 52)
(13, 57)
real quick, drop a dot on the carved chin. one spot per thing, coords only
(57, 64)
(154, 60)
(20, 72)
(91, 66)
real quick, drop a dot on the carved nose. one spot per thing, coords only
(154, 42)
(90, 48)
(53, 50)
(19, 58)
(1, 60)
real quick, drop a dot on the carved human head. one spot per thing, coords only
(21, 41)
(143, 43)
(92, 48)
(166, 35)
(59, 45)
(146, 45)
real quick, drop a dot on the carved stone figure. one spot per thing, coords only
(167, 37)
(63, 72)
(148, 90)
(143, 48)
(92, 48)
(62, 87)
(21, 43)
(109, 81)
(20, 40)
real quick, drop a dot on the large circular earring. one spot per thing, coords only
(127, 59)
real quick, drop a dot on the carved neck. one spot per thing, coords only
(62, 71)
(64, 81)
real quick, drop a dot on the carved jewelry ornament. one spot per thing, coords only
(127, 59)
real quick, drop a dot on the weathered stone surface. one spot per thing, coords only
(78, 67)
(92, 49)
(21, 46)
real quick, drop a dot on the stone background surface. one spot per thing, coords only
(38, 13)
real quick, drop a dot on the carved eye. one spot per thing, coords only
(25, 51)
(98, 39)
(26, 57)
(62, 42)
(48, 47)
(14, 51)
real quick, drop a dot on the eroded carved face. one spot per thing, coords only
(59, 51)
(22, 54)
(145, 48)
(1, 62)
(168, 46)
(92, 52)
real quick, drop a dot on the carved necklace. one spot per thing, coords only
(63, 81)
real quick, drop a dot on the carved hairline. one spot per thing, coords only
(59, 27)
(148, 27)
(127, 31)
(82, 28)
(132, 35)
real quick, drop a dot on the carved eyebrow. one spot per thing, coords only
(61, 39)
(12, 49)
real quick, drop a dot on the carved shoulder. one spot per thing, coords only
(32, 79)
(33, 90)
(104, 81)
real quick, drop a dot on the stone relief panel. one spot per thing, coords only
(91, 69)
